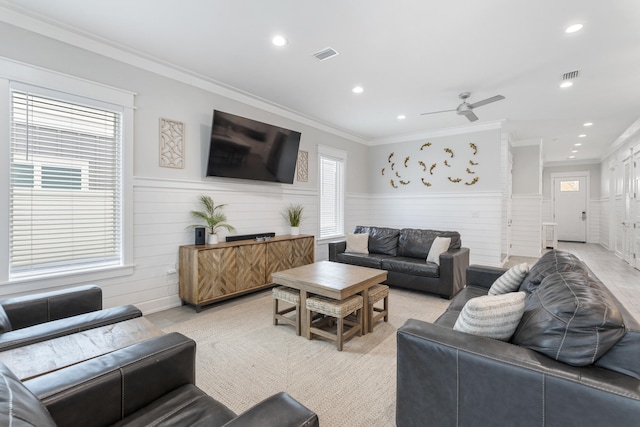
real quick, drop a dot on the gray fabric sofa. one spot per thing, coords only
(403, 254)
(33, 318)
(450, 378)
(149, 383)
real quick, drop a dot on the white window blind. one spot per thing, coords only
(331, 195)
(65, 207)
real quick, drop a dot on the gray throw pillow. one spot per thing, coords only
(510, 280)
(493, 316)
(5, 324)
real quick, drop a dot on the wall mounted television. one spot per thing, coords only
(247, 149)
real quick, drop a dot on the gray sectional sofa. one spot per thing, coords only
(403, 254)
(573, 360)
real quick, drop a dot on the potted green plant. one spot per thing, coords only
(213, 217)
(293, 215)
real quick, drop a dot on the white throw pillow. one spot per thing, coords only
(510, 280)
(439, 245)
(493, 316)
(358, 243)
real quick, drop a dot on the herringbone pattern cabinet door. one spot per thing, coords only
(302, 252)
(278, 257)
(252, 265)
(217, 273)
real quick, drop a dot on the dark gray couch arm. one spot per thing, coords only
(43, 307)
(449, 378)
(279, 410)
(336, 248)
(484, 276)
(453, 271)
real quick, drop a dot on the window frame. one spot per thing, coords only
(50, 82)
(340, 157)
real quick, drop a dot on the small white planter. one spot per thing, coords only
(212, 239)
(295, 231)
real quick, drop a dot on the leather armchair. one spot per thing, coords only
(34, 318)
(150, 383)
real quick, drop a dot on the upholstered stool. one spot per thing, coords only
(291, 296)
(338, 309)
(377, 293)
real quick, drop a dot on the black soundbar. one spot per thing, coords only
(250, 236)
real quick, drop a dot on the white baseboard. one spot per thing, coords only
(159, 304)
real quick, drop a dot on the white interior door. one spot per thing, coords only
(636, 211)
(627, 222)
(570, 207)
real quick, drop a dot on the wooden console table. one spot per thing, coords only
(211, 273)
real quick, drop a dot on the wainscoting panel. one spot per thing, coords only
(476, 216)
(161, 220)
(526, 225)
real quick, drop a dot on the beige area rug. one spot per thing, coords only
(243, 358)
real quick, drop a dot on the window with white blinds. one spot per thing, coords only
(65, 195)
(332, 164)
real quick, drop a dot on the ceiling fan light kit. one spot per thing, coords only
(466, 109)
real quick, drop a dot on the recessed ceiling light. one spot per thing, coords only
(402, 117)
(279, 41)
(357, 89)
(574, 151)
(565, 85)
(577, 144)
(582, 135)
(572, 157)
(588, 124)
(573, 28)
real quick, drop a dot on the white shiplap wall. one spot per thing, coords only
(526, 223)
(476, 216)
(161, 218)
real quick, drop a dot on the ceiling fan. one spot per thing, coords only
(466, 109)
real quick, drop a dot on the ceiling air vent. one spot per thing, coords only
(571, 75)
(325, 54)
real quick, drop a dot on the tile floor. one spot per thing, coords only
(622, 279)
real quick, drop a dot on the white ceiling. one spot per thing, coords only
(411, 56)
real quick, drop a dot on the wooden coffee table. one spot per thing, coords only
(40, 358)
(332, 280)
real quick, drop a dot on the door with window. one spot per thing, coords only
(570, 206)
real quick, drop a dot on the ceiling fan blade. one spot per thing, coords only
(435, 112)
(471, 116)
(487, 101)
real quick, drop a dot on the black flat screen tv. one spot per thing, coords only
(248, 149)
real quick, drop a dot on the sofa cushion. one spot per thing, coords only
(570, 317)
(439, 245)
(468, 292)
(414, 243)
(18, 406)
(381, 240)
(363, 260)
(552, 262)
(412, 266)
(510, 280)
(493, 316)
(357, 243)
(187, 405)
